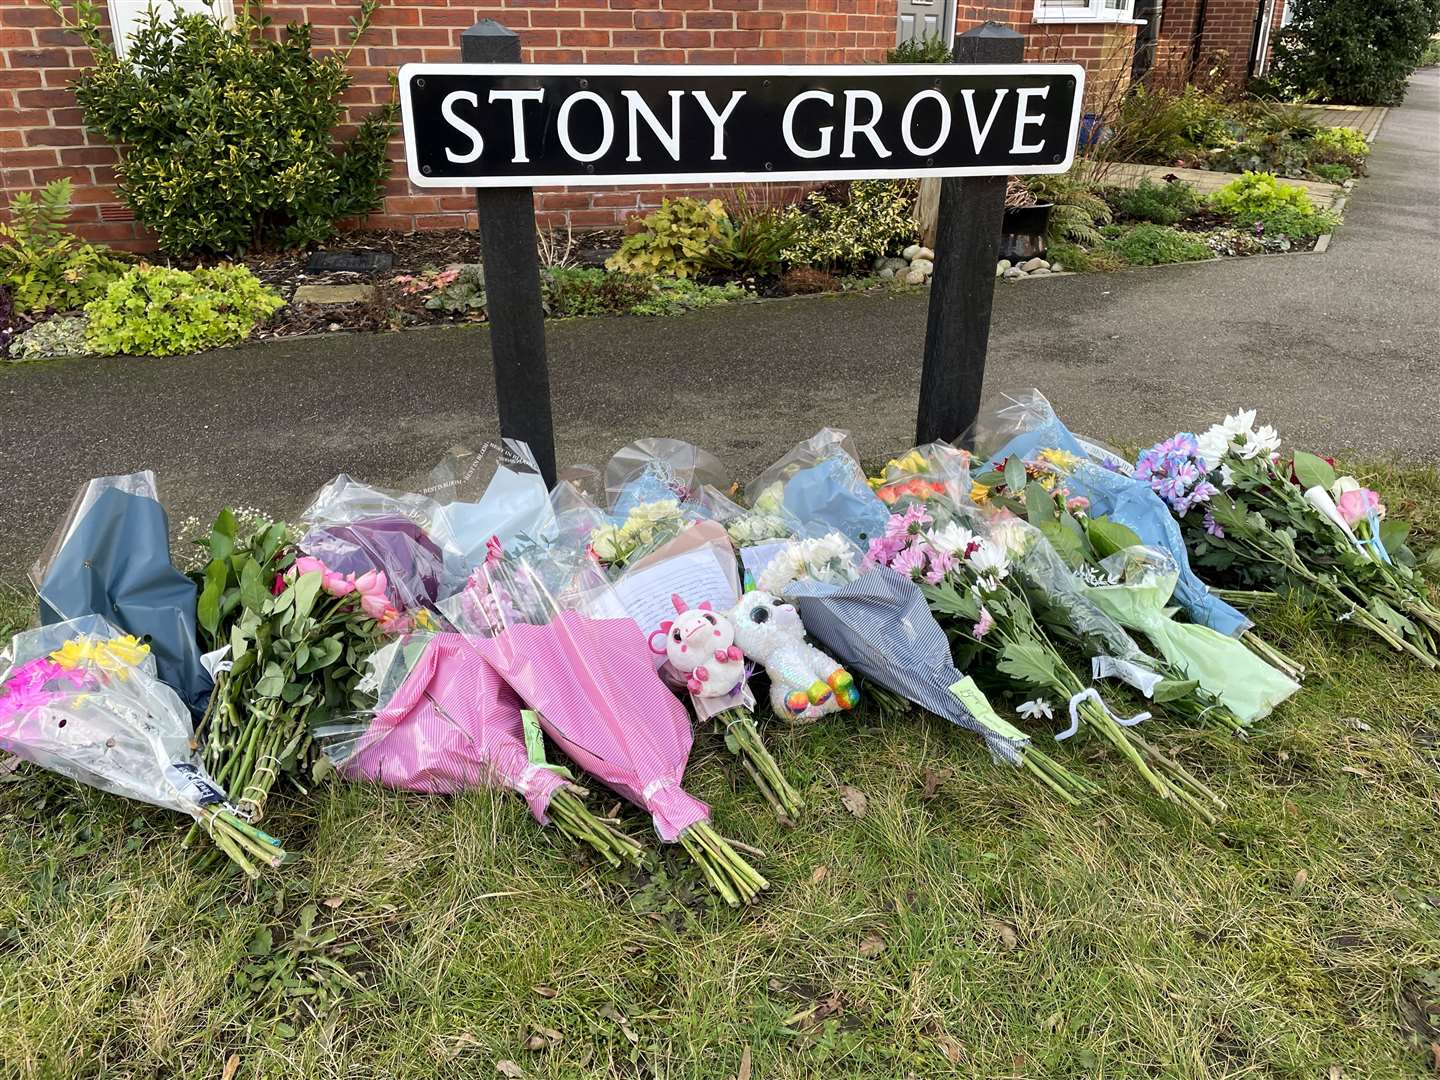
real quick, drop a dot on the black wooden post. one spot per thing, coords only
(962, 291)
(512, 283)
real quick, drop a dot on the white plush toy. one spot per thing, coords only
(700, 643)
(804, 682)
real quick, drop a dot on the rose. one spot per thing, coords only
(1357, 505)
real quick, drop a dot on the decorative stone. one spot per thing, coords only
(880, 262)
(897, 264)
(332, 294)
(1015, 272)
(1039, 270)
(356, 262)
(914, 277)
(1001, 267)
(923, 253)
(1056, 268)
(886, 273)
(925, 266)
(1034, 264)
(910, 252)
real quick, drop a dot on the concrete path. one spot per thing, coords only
(1340, 351)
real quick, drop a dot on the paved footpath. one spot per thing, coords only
(1339, 351)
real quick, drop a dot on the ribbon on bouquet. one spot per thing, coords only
(1091, 694)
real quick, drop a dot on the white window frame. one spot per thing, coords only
(125, 15)
(1092, 11)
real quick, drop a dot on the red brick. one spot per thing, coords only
(738, 39)
(710, 20)
(610, 56)
(440, 221)
(687, 39)
(636, 38)
(31, 16)
(407, 35)
(661, 56)
(661, 20)
(558, 56)
(564, 200)
(759, 20)
(614, 20)
(627, 199)
(19, 77)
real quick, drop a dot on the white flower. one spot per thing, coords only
(1011, 535)
(1214, 445)
(1342, 485)
(953, 539)
(605, 542)
(989, 559)
(1033, 710)
(1264, 441)
(1241, 423)
(1227, 476)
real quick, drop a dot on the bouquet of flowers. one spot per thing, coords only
(877, 621)
(562, 640)
(820, 487)
(1295, 523)
(445, 722)
(83, 700)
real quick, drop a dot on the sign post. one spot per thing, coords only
(505, 128)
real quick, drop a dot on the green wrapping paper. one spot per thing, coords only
(1141, 582)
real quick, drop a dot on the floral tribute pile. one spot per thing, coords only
(472, 628)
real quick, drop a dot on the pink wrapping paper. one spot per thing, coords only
(453, 725)
(599, 698)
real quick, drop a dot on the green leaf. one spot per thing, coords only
(1107, 537)
(1173, 690)
(322, 654)
(207, 608)
(1313, 471)
(222, 535)
(272, 681)
(1015, 474)
(1063, 540)
(306, 589)
(1039, 504)
(1393, 534)
(1030, 663)
(253, 593)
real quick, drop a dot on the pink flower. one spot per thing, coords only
(307, 564)
(986, 623)
(495, 551)
(909, 561)
(1077, 505)
(1355, 506)
(941, 563)
(392, 622)
(375, 605)
(279, 586)
(916, 515)
(338, 584)
(372, 583)
(883, 549)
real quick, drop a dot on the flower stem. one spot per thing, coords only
(575, 820)
(730, 875)
(760, 764)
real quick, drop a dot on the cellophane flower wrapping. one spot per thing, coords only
(657, 469)
(1024, 423)
(557, 634)
(81, 699)
(444, 722)
(820, 485)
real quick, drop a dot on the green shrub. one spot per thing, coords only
(459, 291)
(1358, 52)
(927, 50)
(580, 291)
(226, 138)
(1279, 209)
(1431, 56)
(1161, 204)
(1334, 174)
(1161, 127)
(1153, 245)
(64, 335)
(44, 266)
(673, 240)
(751, 242)
(675, 296)
(1339, 146)
(1080, 210)
(846, 229)
(155, 311)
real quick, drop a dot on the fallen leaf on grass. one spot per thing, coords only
(930, 783)
(951, 1047)
(1354, 771)
(232, 1066)
(1435, 1055)
(1009, 936)
(819, 874)
(609, 1012)
(542, 1039)
(546, 991)
(854, 800)
(506, 1067)
(744, 1072)
(871, 946)
(333, 902)
(832, 1004)
(1301, 877)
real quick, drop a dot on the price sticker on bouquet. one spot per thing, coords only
(529, 125)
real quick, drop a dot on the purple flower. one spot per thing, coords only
(986, 623)
(1212, 526)
(909, 562)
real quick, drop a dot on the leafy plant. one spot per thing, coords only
(751, 242)
(227, 136)
(1162, 204)
(927, 50)
(676, 296)
(847, 226)
(1278, 209)
(43, 265)
(580, 291)
(673, 240)
(1163, 127)
(156, 311)
(64, 335)
(1340, 146)
(1079, 210)
(1358, 52)
(461, 294)
(1334, 174)
(1154, 245)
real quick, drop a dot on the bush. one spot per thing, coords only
(1154, 245)
(155, 311)
(1080, 210)
(44, 266)
(673, 240)
(1160, 127)
(1278, 209)
(928, 50)
(676, 296)
(580, 291)
(226, 138)
(1358, 52)
(835, 228)
(1340, 146)
(1161, 204)
(64, 335)
(751, 242)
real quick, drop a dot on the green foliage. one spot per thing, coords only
(155, 311)
(575, 291)
(1334, 174)
(42, 265)
(462, 294)
(751, 242)
(64, 335)
(676, 296)
(845, 229)
(1431, 56)
(673, 240)
(1162, 127)
(926, 50)
(1079, 211)
(226, 137)
(1162, 203)
(1154, 245)
(1279, 209)
(1340, 146)
(1359, 52)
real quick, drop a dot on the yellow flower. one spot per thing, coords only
(979, 493)
(118, 655)
(1061, 459)
(422, 619)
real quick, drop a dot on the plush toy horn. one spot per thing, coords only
(680, 607)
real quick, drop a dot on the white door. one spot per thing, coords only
(917, 20)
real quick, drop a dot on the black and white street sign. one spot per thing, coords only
(528, 125)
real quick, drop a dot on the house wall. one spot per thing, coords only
(1215, 52)
(42, 134)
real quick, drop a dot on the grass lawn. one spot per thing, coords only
(967, 925)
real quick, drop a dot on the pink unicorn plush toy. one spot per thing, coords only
(700, 643)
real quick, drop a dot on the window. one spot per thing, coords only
(126, 15)
(1083, 11)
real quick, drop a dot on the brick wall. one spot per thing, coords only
(1213, 53)
(42, 136)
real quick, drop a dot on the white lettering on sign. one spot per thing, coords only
(517, 98)
(907, 121)
(447, 110)
(868, 128)
(1024, 119)
(787, 124)
(607, 125)
(977, 133)
(638, 110)
(717, 120)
